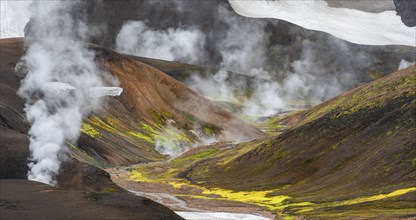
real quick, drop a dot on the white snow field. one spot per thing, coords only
(218, 216)
(13, 17)
(93, 92)
(360, 27)
(96, 92)
(355, 26)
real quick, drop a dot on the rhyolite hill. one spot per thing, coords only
(128, 124)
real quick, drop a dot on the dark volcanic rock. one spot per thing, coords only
(13, 127)
(13, 154)
(407, 11)
(84, 191)
(23, 199)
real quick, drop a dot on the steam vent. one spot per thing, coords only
(208, 110)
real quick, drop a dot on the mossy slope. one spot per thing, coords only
(350, 157)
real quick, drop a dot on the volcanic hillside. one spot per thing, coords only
(125, 131)
(84, 192)
(352, 156)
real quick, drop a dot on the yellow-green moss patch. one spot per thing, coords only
(89, 130)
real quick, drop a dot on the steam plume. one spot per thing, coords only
(404, 64)
(171, 44)
(56, 56)
(172, 141)
(243, 45)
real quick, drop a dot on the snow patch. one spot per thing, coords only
(404, 64)
(96, 92)
(218, 216)
(13, 17)
(384, 28)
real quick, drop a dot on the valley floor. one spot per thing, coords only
(186, 201)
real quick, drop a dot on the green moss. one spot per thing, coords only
(148, 133)
(373, 95)
(336, 145)
(363, 199)
(138, 176)
(100, 123)
(237, 152)
(109, 190)
(414, 164)
(195, 157)
(158, 118)
(161, 118)
(89, 130)
(271, 126)
(210, 130)
(252, 197)
(280, 154)
(171, 135)
(190, 118)
(207, 129)
(264, 198)
(142, 136)
(351, 109)
(148, 129)
(81, 155)
(167, 135)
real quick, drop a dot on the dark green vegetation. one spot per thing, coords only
(351, 157)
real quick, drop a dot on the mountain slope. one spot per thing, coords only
(125, 131)
(350, 157)
(365, 135)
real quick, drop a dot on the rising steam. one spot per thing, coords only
(276, 83)
(173, 44)
(404, 64)
(172, 141)
(59, 73)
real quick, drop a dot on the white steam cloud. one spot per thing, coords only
(267, 93)
(171, 44)
(244, 47)
(404, 64)
(244, 50)
(172, 141)
(13, 17)
(55, 55)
